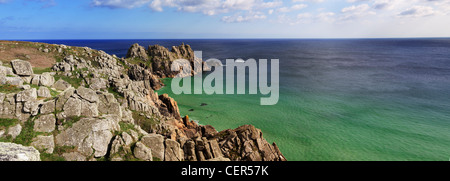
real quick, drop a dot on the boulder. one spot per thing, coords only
(88, 109)
(142, 152)
(35, 79)
(87, 94)
(22, 68)
(27, 95)
(45, 123)
(173, 151)
(156, 143)
(16, 81)
(16, 152)
(72, 107)
(137, 51)
(46, 79)
(4, 71)
(14, 131)
(98, 83)
(31, 107)
(43, 92)
(89, 136)
(48, 107)
(127, 138)
(247, 143)
(61, 85)
(44, 143)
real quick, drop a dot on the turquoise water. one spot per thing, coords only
(375, 99)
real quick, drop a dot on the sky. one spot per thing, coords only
(206, 19)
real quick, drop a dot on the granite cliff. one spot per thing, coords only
(94, 106)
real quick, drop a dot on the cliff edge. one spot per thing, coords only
(94, 106)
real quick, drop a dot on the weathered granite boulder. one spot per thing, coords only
(31, 107)
(89, 136)
(44, 143)
(156, 143)
(47, 107)
(173, 152)
(16, 81)
(142, 152)
(4, 71)
(46, 79)
(45, 123)
(89, 109)
(43, 92)
(247, 143)
(14, 131)
(137, 51)
(72, 107)
(61, 85)
(16, 152)
(98, 83)
(22, 68)
(87, 94)
(27, 95)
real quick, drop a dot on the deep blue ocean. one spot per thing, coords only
(340, 99)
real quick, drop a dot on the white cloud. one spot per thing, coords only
(418, 11)
(292, 8)
(119, 3)
(237, 18)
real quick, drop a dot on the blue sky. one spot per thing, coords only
(173, 19)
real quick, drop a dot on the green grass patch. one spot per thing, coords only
(51, 157)
(145, 123)
(39, 70)
(75, 82)
(69, 121)
(116, 94)
(26, 136)
(6, 123)
(6, 88)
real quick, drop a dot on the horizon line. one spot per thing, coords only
(353, 38)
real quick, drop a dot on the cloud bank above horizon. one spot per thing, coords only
(229, 18)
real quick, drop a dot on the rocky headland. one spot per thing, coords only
(92, 106)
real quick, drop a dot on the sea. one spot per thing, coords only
(339, 99)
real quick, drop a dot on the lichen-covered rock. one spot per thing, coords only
(16, 152)
(98, 83)
(156, 143)
(27, 95)
(89, 109)
(61, 85)
(45, 123)
(47, 107)
(142, 152)
(173, 152)
(89, 136)
(46, 79)
(44, 143)
(87, 94)
(137, 51)
(14, 131)
(22, 67)
(16, 81)
(72, 107)
(44, 92)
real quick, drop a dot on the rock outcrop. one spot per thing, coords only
(15, 152)
(110, 111)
